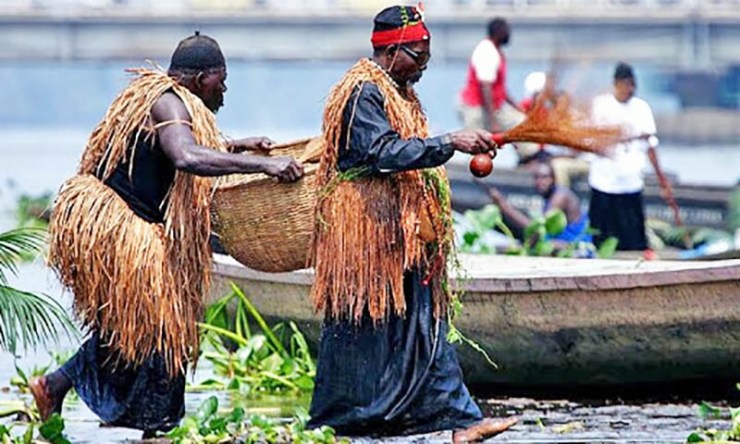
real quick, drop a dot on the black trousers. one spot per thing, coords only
(618, 215)
(143, 397)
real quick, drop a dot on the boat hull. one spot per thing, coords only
(557, 322)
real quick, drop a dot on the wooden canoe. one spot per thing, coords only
(563, 322)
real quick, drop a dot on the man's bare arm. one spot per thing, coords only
(488, 111)
(516, 217)
(178, 144)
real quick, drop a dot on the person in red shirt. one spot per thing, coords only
(484, 101)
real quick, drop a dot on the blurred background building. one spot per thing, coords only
(699, 41)
(63, 61)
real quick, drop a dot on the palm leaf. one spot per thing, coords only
(16, 244)
(28, 319)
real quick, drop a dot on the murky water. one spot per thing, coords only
(540, 421)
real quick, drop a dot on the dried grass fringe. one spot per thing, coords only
(140, 284)
(367, 230)
(566, 125)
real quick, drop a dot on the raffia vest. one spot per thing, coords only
(370, 230)
(141, 285)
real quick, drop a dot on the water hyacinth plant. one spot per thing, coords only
(536, 236)
(208, 425)
(708, 411)
(269, 360)
(50, 431)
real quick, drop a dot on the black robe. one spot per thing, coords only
(402, 376)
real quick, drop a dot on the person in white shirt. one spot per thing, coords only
(616, 206)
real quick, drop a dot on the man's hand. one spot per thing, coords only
(286, 169)
(473, 142)
(263, 144)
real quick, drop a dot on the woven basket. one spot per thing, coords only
(264, 224)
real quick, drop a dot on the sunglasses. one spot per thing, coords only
(420, 58)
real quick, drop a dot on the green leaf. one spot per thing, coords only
(178, 432)
(234, 384)
(22, 374)
(217, 424)
(470, 237)
(607, 248)
(216, 313)
(707, 411)
(207, 409)
(694, 437)
(259, 319)
(735, 413)
(533, 228)
(301, 415)
(544, 248)
(28, 436)
(305, 382)
(223, 332)
(28, 319)
(709, 235)
(490, 216)
(52, 428)
(237, 415)
(555, 221)
(288, 367)
(15, 245)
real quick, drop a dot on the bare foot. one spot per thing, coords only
(487, 428)
(45, 400)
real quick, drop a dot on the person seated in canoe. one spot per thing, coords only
(383, 232)
(556, 197)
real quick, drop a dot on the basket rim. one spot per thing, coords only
(257, 178)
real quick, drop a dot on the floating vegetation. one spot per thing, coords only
(51, 431)
(270, 360)
(208, 425)
(536, 239)
(708, 411)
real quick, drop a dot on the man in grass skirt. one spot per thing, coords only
(382, 236)
(129, 236)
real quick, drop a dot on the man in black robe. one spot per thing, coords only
(398, 376)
